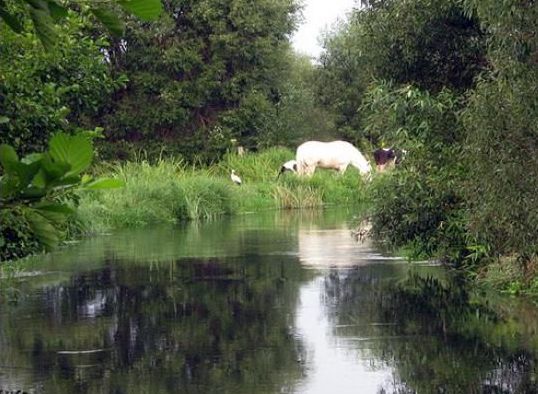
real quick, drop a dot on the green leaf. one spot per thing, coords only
(144, 9)
(32, 158)
(66, 182)
(8, 158)
(9, 186)
(56, 10)
(38, 4)
(77, 151)
(54, 169)
(41, 179)
(33, 193)
(54, 212)
(3, 119)
(43, 229)
(104, 183)
(44, 27)
(27, 172)
(54, 207)
(11, 21)
(110, 20)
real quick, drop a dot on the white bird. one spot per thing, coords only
(235, 179)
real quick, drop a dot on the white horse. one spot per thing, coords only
(336, 155)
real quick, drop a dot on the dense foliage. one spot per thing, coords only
(38, 91)
(430, 44)
(36, 196)
(455, 84)
(42, 92)
(206, 74)
(426, 205)
(502, 133)
(43, 15)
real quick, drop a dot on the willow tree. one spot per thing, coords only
(430, 44)
(502, 133)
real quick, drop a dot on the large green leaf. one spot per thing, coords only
(9, 186)
(43, 229)
(32, 158)
(144, 9)
(104, 183)
(77, 151)
(110, 20)
(56, 10)
(27, 172)
(50, 171)
(54, 212)
(8, 158)
(66, 182)
(33, 193)
(44, 27)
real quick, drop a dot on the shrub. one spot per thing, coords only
(207, 197)
(420, 205)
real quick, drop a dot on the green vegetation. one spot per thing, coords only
(37, 193)
(172, 191)
(453, 83)
(45, 14)
(209, 72)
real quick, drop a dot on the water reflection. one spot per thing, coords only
(332, 365)
(433, 334)
(275, 303)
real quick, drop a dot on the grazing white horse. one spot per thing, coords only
(336, 155)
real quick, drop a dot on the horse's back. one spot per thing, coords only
(323, 147)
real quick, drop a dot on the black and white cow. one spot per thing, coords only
(388, 157)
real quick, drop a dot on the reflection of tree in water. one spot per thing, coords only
(437, 338)
(189, 326)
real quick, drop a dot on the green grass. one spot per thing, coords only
(170, 191)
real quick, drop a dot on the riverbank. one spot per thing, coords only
(170, 191)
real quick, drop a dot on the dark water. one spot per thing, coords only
(274, 303)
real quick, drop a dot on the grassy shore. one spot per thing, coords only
(170, 191)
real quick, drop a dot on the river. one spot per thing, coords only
(279, 302)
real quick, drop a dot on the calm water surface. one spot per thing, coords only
(272, 303)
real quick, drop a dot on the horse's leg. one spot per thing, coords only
(301, 168)
(342, 168)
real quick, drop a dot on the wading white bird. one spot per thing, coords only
(235, 179)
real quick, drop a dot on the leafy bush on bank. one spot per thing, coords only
(37, 193)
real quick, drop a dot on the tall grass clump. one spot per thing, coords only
(152, 194)
(258, 167)
(207, 197)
